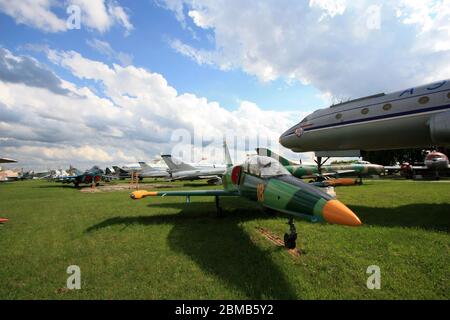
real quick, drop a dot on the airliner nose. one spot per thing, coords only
(336, 212)
(287, 136)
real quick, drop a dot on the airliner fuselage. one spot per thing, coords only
(414, 117)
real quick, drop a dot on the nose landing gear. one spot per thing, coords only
(291, 237)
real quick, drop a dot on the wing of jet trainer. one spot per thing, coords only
(188, 193)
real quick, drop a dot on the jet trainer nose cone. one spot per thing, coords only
(336, 212)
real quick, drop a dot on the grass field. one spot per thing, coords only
(161, 249)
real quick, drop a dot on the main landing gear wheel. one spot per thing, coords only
(290, 239)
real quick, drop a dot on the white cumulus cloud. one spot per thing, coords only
(134, 117)
(99, 15)
(343, 48)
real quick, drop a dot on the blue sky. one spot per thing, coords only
(141, 78)
(148, 43)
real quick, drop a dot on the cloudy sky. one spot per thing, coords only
(130, 80)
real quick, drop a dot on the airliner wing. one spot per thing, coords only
(6, 160)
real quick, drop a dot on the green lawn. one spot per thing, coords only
(161, 249)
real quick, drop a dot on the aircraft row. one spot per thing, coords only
(435, 163)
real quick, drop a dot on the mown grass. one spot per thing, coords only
(162, 249)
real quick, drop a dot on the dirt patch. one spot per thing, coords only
(277, 241)
(123, 187)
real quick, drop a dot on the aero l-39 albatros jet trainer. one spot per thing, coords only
(312, 170)
(265, 180)
(412, 118)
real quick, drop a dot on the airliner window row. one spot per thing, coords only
(374, 104)
(388, 106)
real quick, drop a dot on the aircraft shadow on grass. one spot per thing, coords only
(220, 247)
(428, 216)
(57, 186)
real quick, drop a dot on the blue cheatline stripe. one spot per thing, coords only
(387, 116)
(378, 103)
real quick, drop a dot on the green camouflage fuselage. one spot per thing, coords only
(284, 193)
(311, 169)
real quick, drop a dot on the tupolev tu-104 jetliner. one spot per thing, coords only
(412, 118)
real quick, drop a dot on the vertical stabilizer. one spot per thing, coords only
(146, 167)
(227, 156)
(269, 153)
(176, 164)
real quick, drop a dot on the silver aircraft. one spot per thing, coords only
(411, 118)
(148, 171)
(180, 170)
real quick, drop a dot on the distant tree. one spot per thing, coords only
(391, 157)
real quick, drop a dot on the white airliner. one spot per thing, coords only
(411, 118)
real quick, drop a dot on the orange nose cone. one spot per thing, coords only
(336, 212)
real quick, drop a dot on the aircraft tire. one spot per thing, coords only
(290, 241)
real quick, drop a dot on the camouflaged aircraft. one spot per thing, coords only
(312, 171)
(91, 176)
(266, 181)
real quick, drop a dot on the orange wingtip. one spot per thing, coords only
(142, 194)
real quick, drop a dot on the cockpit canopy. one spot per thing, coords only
(264, 167)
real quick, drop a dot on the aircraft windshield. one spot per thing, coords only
(264, 167)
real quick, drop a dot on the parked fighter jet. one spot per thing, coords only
(265, 180)
(434, 162)
(179, 170)
(411, 118)
(332, 170)
(151, 172)
(91, 176)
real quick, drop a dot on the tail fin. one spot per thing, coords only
(269, 153)
(227, 156)
(176, 164)
(145, 166)
(118, 169)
